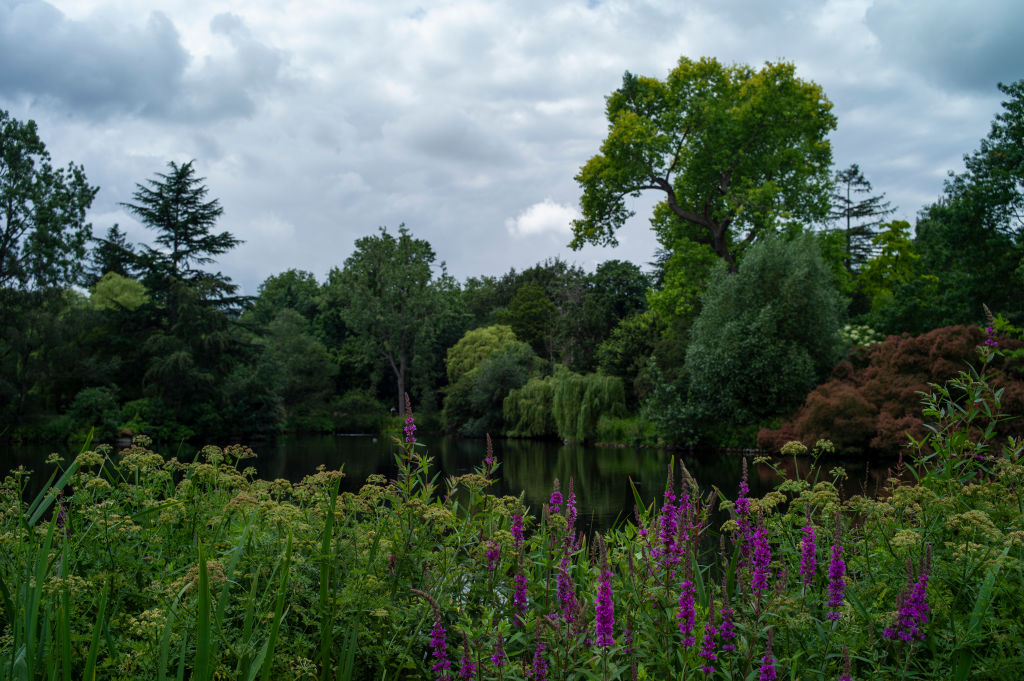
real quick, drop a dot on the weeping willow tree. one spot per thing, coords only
(566, 404)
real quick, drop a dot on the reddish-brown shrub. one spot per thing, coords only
(874, 400)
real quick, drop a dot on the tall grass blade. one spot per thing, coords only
(326, 619)
(348, 654)
(94, 645)
(275, 628)
(202, 666)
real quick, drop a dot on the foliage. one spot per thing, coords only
(533, 318)
(734, 150)
(390, 299)
(856, 219)
(565, 404)
(872, 401)
(765, 335)
(43, 231)
(147, 568)
(114, 291)
(473, 404)
(476, 346)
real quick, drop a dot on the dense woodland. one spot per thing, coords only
(778, 275)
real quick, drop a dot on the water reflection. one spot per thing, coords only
(601, 475)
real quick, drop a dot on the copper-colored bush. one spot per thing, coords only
(873, 400)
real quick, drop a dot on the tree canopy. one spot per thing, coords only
(43, 232)
(735, 151)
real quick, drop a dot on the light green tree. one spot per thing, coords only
(735, 152)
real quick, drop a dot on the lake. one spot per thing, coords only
(601, 475)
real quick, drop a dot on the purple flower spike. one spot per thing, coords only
(540, 666)
(762, 558)
(604, 611)
(519, 600)
(555, 503)
(687, 613)
(913, 612)
(808, 555)
(517, 530)
(437, 643)
(707, 648)
(836, 582)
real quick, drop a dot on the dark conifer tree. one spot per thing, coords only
(858, 218)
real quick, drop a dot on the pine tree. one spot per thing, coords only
(858, 219)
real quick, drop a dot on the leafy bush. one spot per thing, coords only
(765, 335)
(565, 404)
(875, 403)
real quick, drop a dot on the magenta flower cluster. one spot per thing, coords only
(808, 555)
(687, 613)
(762, 557)
(707, 648)
(836, 582)
(913, 613)
(604, 612)
(437, 643)
(410, 430)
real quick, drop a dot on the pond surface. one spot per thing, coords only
(601, 475)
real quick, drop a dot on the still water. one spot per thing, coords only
(601, 475)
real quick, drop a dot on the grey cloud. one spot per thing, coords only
(959, 46)
(101, 69)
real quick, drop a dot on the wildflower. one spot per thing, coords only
(540, 666)
(555, 503)
(467, 669)
(489, 459)
(493, 554)
(687, 615)
(846, 675)
(410, 425)
(707, 648)
(762, 557)
(913, 612)
(517, 530)
(566, 590)
(808, 554)
(499, 658)
(440, 648)
(836, 582)
(669, 525)
(990, 340)
(519, 600)
(604, 612)
(570, 512)
(767, 671)
(727, 630)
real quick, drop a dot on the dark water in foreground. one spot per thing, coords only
(601, 475)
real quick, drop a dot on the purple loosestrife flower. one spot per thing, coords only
(519, 600)
(707, 648)
(489, 460)
(410, 430)
(727, 630)
(836, 582)
(570, 514)
(808, 554)
(498, 659)
(437, 643)
(846, 675)
(762, 558)
(604, 611)
(467, 668)
(566, 591)
(687, 615)
(913, 612)
(990, 340)
(517, 530)
(767, 671)
(540, 666)
(669, 525)
(555, 503)
(493, 554)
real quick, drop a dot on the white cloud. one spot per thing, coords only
(546, 217)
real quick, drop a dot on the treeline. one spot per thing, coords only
(774, 267)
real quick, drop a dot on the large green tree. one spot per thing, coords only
(734, 151)
(391, 300)
(43, 231)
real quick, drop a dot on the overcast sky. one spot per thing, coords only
(317, 121)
